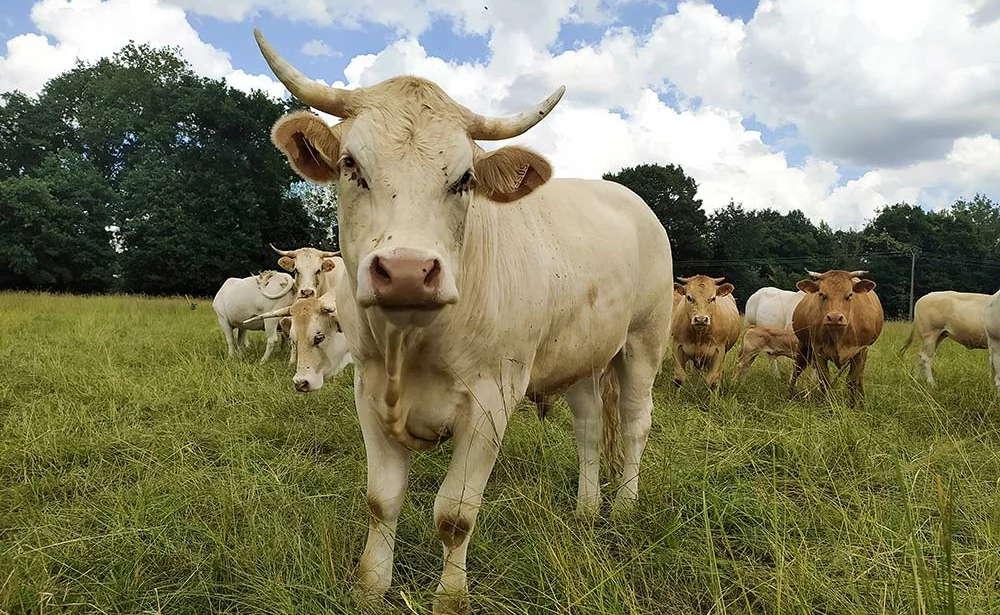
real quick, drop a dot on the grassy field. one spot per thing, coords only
(142, 472)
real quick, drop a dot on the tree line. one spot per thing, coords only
(133, 174)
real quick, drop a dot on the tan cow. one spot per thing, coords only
(770, 341)
(706, 324)
(312, 269)
(837, 320)
(946, 314)
(473, 281)
(992, 319)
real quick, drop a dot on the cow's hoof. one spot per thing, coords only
(452, 604)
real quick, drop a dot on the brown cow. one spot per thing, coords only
(772, 341)
(705, 325)
(837, 320)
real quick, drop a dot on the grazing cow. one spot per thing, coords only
(312, 269)
(772, 341)
(240, 298)
(472, 281)
(315, 332)
(944, 314)
(772, 307)
(837, 320)
(993, 335)
(706, 324)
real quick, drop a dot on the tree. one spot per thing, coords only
(671, 194)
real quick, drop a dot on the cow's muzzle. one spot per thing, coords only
(835, 319)
(701, 321)
(405, 279)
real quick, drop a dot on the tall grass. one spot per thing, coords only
(143, 472)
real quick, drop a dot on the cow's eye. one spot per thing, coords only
(712, 300)
(463, 183)
(318, 339)
(353, 172)
(848, 296)
(822, 296)
(690, 299)
(348, 162)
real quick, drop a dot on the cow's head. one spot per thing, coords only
(697, 295)
(308, 266)
(312, 325)
(406, 165)
(835, 290)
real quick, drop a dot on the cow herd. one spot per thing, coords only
(469, 280)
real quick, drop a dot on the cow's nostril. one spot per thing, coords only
(433, 275)
(380, 271)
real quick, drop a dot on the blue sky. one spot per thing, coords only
(835, 109)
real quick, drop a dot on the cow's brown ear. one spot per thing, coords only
(725, 289)
(509, 173)
(863, 286)
(807, 286)
(310, 145)
(287, 263)
(328, 264)
(679, 289)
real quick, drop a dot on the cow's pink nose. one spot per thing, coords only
(701, 321)
(301, 384)
(305, 293)
(406, 279)
(836, 318)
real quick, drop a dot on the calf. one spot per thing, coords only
(771, 341)
(837, 320)
(705, 325)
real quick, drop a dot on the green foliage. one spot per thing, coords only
(147, 473)
(670, 193)
(182, 168)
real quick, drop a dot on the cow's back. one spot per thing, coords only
(960, 315)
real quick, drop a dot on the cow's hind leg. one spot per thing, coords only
(227, 331)
(925, 357)
(241, 342)
(585, 401)
(637, 364)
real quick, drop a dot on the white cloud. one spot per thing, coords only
(317, 48)
(91, 29)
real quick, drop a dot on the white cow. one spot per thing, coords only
(240, 298)
(993, 335)
(313, 269)
(772, 307)
(473, 280)
(316, 334)
(946, 314)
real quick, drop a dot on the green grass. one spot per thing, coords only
(142, 472)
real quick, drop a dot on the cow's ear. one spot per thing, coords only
(863, 286)
(328, 264)
(509, 173)
(312, 147)
(725, 289)
(287, 263)
(807, 286)
(679, 289)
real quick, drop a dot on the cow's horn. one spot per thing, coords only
(290, 253)
(496, 128)
(334, 101)
(813, 274)
(719, 280)
(285, 311)
(858, 273)
(324, 254)
(683, 280)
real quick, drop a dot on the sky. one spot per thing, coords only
(833, 108)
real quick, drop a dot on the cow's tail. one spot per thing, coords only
(611, 433)
(909, 340)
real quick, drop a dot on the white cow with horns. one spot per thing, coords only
(240, 298)
(473, 280)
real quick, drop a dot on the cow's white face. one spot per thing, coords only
(307, 265)
(697, 298)
(312, 327)
(407, 166)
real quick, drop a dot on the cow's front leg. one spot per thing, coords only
(823, 371)
(477, 441)
(679, 364)
(855, 379)
(714, 376)
(585, 401)
(388, 466)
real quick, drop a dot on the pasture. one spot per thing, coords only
(142, 472)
